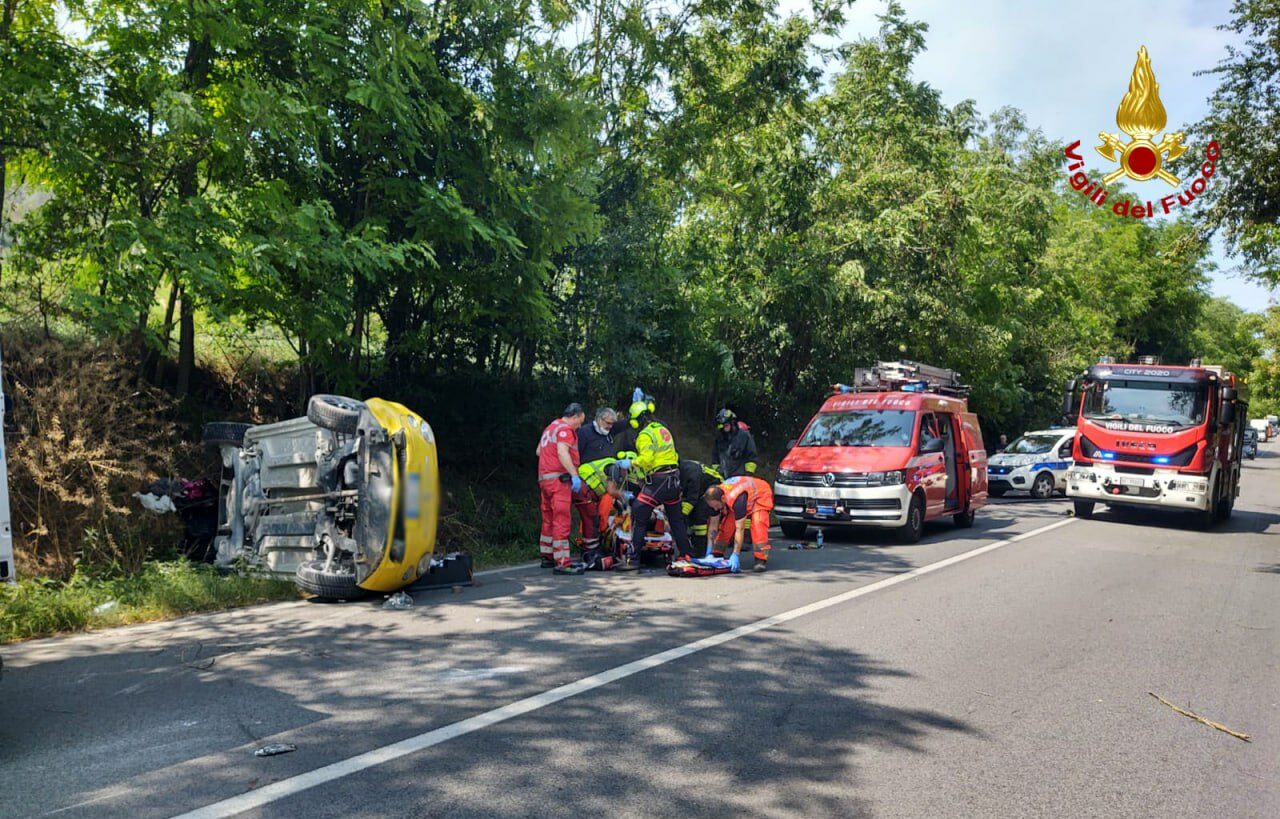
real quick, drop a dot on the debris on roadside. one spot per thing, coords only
(398, 602)
(804, 544)
(1202, 720)
(275, 749)
(103, 608)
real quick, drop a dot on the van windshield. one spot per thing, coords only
(861, 428)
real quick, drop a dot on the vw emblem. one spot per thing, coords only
(828, 479)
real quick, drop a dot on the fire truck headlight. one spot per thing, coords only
(1083, 475)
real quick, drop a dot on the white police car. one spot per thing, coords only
(1036, 463)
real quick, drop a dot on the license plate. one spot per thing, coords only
(827, 511)
(412, 496)
(1125, 480)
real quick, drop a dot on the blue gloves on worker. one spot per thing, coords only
(577, 483)
(627, 497)
(624, 463)
(844, 389)
(710, 553)
(735, 563)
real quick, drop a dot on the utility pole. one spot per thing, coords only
(7, 571)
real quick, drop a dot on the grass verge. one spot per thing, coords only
(41, 607)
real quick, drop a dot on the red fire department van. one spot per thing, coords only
(897, 448)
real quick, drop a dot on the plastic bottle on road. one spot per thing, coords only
(819, 538)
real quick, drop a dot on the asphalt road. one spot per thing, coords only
(1001, 671)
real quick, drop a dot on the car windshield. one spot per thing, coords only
(861, 428)
(1032, 444)
(1146, 403)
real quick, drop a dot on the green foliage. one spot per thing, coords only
(1244, 117)
(41, 607)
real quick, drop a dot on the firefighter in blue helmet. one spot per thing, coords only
(656, 459)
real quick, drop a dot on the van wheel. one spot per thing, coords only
(964, 520)
(312, 578)
(1083, 509)
(794, 529)
(911, 531)
(1042, 487)
(996, 492)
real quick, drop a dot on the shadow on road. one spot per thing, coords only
(182, 715)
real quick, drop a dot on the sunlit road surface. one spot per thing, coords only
(1004, 670)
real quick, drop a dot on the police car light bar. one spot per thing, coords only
(908, 376)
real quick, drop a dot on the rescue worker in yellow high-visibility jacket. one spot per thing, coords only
(656, 458)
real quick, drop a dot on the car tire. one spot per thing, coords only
(224, 433)
(1042, 486)
(335, 412)
(996, 493)
(1083, 509)
(312, 578)
(964, 520)
(794, 529)
(911, 531)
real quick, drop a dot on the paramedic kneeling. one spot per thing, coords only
(743, 503)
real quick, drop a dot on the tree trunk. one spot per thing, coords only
(6, 24)
(166, 331)
(186, 344)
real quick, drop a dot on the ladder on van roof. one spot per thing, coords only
(908, 376)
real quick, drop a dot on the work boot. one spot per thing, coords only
(760, 566)
(629, 563)
(569, 568)
(547, 563)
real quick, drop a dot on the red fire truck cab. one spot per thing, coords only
(894, 450)
(1156, 435)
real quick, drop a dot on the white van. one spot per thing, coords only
(1263, 426)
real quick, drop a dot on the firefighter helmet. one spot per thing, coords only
(724, 416)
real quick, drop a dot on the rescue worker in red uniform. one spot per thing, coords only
(742, 503)
(655, 458)
(557, 481)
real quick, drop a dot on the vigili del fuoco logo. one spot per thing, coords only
(1142, 117)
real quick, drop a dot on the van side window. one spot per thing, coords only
(1064, 451)
(928, 427)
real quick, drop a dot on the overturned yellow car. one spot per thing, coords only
(343, 501)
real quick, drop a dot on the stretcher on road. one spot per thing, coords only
(698, 567)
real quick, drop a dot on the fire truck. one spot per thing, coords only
(896, 448)
(1149, 434)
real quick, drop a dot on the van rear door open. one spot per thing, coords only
(974, 465)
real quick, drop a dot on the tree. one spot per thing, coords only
(1244, 117)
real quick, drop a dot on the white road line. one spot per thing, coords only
(388, 753)
(506, 569)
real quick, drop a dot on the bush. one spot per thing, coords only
(84, 435)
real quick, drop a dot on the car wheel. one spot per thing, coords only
(224, 433)
(964, 520)
(1083, 509)
(996, 493)
(338, 584)
(911, 531)
(335, 412)
(1042, 487)
(794, 529)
